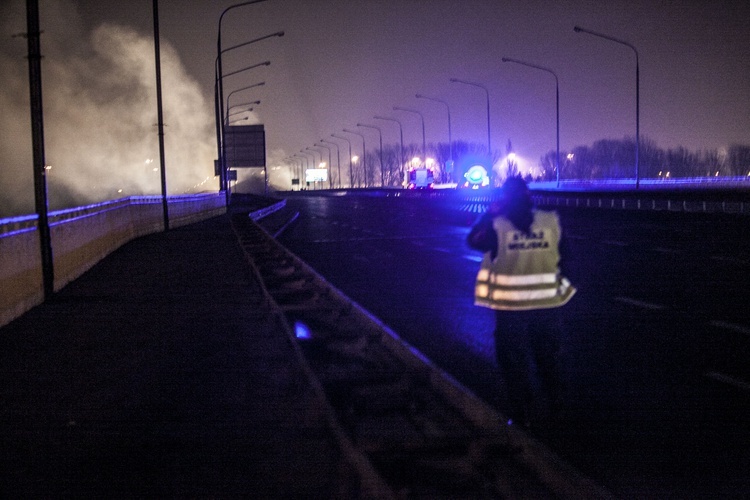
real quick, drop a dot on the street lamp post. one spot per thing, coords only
(401, 139)
(39, 162)
(421, 116)
(364, 152)
(557, 106)
(302, 165)
(450, 139)
(312, 165)
(219, 71)
(351, 185)
(237, 120)
(338, 158)
(219, 85)
(242, 110)
(300, 168)
(253, 66)
(313, 151)
(219, 98)
(259, 84)
(487, 92)
(330, 180)
(578, 29)
(380, 135)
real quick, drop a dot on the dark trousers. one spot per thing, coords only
(527, 345)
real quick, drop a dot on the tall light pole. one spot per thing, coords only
(401, 139)
(421, 116)
(302, 165)
(308, 166)
(220, 128)
(219, 98)
(380, 135)
(351, 185)
(238, 119)
(219, 72)
(219, 86)
(450, 139)
(253, 66)
(578, 29)
(39, 162)
(330, 180)
(313, 151)
(254, 103)
(306, 156)
(338, 157)
(487, 92)
(364, 152)
(557, 106)
(259, 84)
(160, 118)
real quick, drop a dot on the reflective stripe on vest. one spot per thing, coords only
(524, 275)
(510, 280)
(497, 297)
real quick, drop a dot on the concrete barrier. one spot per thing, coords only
(81, 237)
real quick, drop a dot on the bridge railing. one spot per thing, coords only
(81, 237)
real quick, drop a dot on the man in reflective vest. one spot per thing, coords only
(520, 279)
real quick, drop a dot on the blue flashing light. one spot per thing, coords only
(302, 331)
(476, 176)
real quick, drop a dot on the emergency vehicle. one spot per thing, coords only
(420, 178)
(476, 177)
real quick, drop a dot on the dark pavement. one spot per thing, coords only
(163, 372)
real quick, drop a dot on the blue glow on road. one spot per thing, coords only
(302, 331)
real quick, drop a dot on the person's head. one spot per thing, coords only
(515, 191)
(518, 202)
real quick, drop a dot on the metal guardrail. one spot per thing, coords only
(673, 200)
(622, 203)
(411, 429)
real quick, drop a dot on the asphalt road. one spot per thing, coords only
(657, 338)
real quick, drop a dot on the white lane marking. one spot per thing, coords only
(667, 250)
(730, 260)
(728, 379)
(615, 243)
(730, 326)
(639, 303)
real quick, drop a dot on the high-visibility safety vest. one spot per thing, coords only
(525, 274)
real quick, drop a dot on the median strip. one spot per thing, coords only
(639, 303)
(730, 326)
(728, 379)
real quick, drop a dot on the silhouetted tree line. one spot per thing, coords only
(370, 173)
(604, 159)
(610, 158)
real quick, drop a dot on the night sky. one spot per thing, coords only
(343, 61)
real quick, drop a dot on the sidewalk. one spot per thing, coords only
(160, 373)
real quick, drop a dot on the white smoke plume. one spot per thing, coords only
(100, 114)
